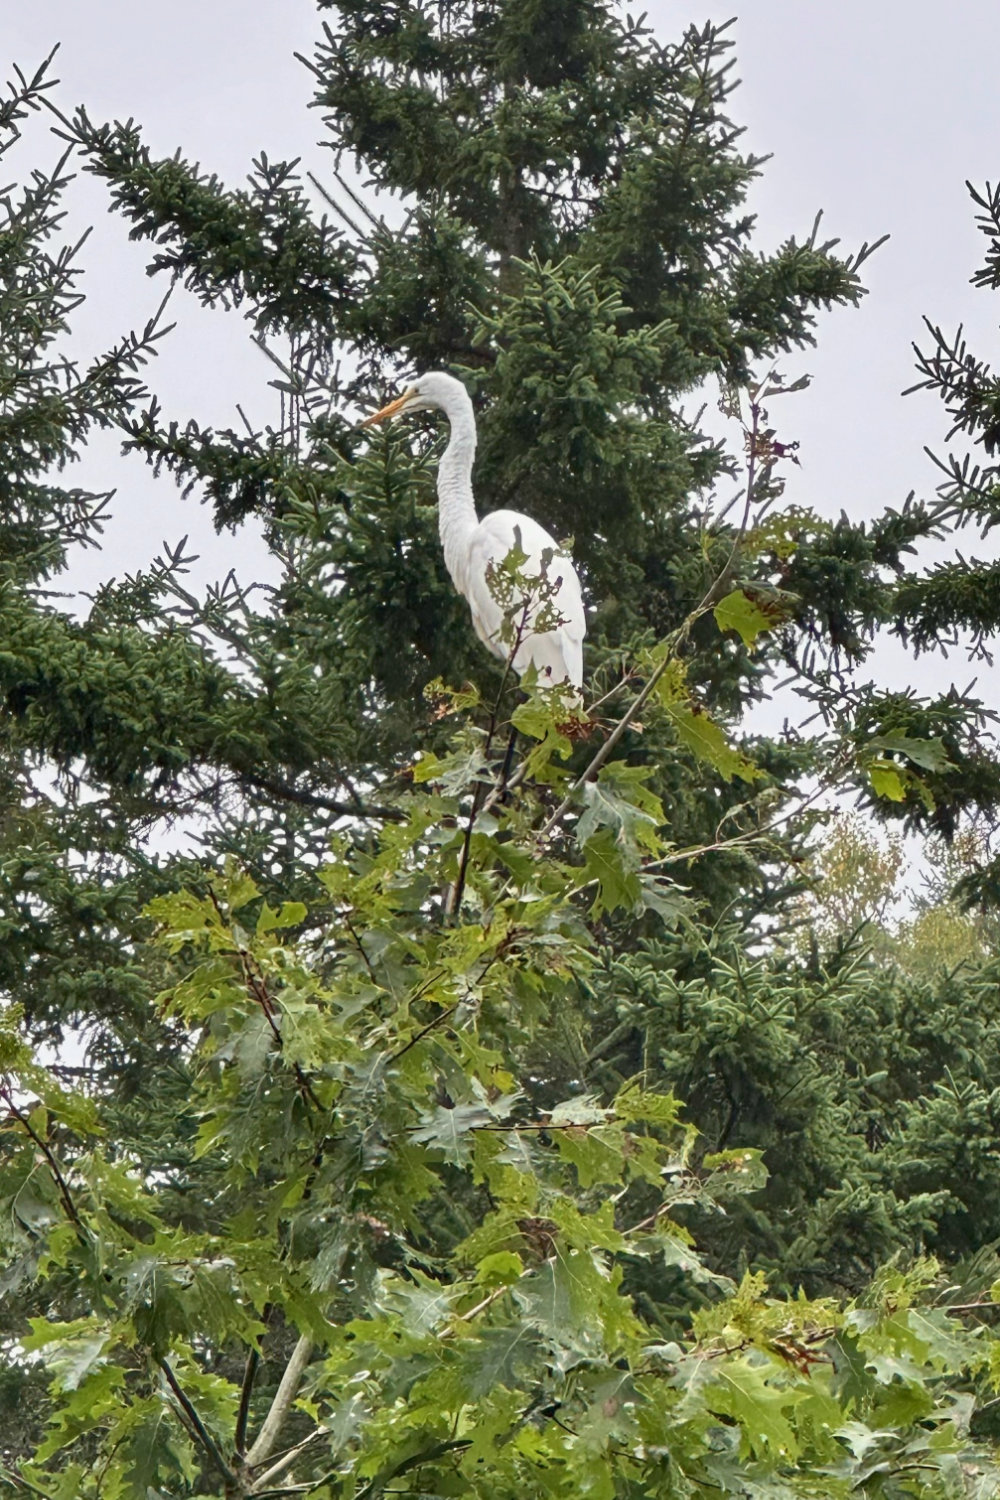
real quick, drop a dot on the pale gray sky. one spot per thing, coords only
(877, 113)
(874, 112)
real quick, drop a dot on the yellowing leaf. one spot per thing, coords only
(502, 1268)
(290, 915)
(886, 780)
(737, 612)
(705, 739)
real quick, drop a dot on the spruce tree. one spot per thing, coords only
(576, 247)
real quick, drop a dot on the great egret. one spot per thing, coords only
(475, 549)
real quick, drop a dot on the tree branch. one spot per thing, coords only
(197, 1425)
(453, 900)
(62, 1187)
(257, 990)
(246, 1390)
(288, 793)
(280, 1406)
(286, 1460)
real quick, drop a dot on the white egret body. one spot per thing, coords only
(474, 549)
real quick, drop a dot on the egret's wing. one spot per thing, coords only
(557, 655)
(489, 545)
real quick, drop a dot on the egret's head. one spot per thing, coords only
(436, 391)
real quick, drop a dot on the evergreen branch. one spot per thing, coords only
(358, 809)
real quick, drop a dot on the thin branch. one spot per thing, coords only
(415, 1461)
(375, 220)
(25, 1484)
(257, 989)
(345, 917)
(198, 1427)
(338, 209)
(289, 793)
(62, 1186)
(280, 1406)
(286, 1460)
(419, 1036)
(454, 899)
(246, 1390)
(473, 1312)
(694, 851)
(487, 1301)
(294, 1489)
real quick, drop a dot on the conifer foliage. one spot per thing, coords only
(447, 1128)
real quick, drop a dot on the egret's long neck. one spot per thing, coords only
(457, 517)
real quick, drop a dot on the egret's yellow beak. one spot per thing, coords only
(392, 408)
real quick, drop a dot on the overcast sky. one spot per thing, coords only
(874, 113)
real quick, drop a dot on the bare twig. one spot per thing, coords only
(338, 208)
(286, 1460)
(454, 898)
(473, 1312)
(357, 809)
(345, 916)
(419, 1036)
(694, 851)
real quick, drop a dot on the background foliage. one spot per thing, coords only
(607, 1137)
